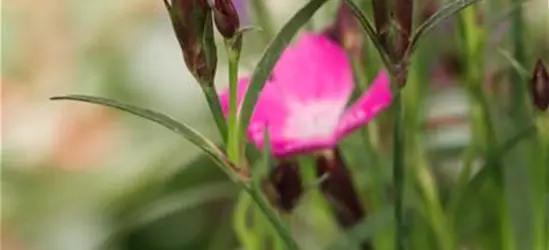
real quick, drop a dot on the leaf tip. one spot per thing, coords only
(55, 98)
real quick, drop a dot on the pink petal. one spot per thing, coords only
(376, 99)
(314, 68)
(303, 102)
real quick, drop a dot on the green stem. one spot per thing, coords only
(316, 201)
(541, 191)
(398, 172)
(215, 107)
(517, 83)
(233, 141)
(277, 223)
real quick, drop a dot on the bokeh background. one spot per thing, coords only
(77, 176)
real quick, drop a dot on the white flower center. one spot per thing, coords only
(314, 120)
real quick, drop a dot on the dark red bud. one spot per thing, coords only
(381, 21)
(346, 31)
(339, 189)
(381, 16)
(404, 14)
(193, 26)
(540, 86)
(283, 187)
(226, 18)
(340, 192)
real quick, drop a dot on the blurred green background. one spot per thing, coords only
(77, 176)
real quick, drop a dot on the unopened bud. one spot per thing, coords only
(381, 21)
(339, 189)
(540, 86)
(404, 14)
(193, 26)
(283, 186)
(226, 18)
(346, 31)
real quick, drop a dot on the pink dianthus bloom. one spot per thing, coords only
(304, 103)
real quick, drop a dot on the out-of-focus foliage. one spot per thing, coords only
(76, 176)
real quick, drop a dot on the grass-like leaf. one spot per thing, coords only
(273, 218)
(484, 173)
(367, 27)
(255, 193)
(265, 164)
(270, 57)
(180, 128)
(429, 24)
(185, 199)
(517, 66)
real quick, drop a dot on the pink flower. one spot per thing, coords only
(303, 105)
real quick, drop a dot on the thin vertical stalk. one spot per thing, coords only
(318, 205)
(277, 223)
(526, 153)
(419, 168)
(473, 41)
(541, 187)
(518, 88)
(398, 171)
(233, 140)
(215, 107)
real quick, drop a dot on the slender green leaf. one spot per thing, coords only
(503, 16)
(519, 68)
(180, 128)
(483, 174)
(246, 29)
(265, 164)
(463, 179)
(244, 222)
(255, 193)
(185, 199)
(365, 230)
(368, 28)
(444, 13)
(270, 57)
(273, 218)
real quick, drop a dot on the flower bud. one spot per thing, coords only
(193, 26)
(339, 189)
(404, 14)
(381, 22)
(226, 18)
(340, 192)
(283, 186)
(540, 86)
(346, 31)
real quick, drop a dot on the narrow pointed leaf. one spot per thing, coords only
(180, 128)
(247, 29)
(181, 200)
(270, 57)
(264, 166)
(273, 218)
(519, 68)
(445, 12)
(484, 173)
(367, 27)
